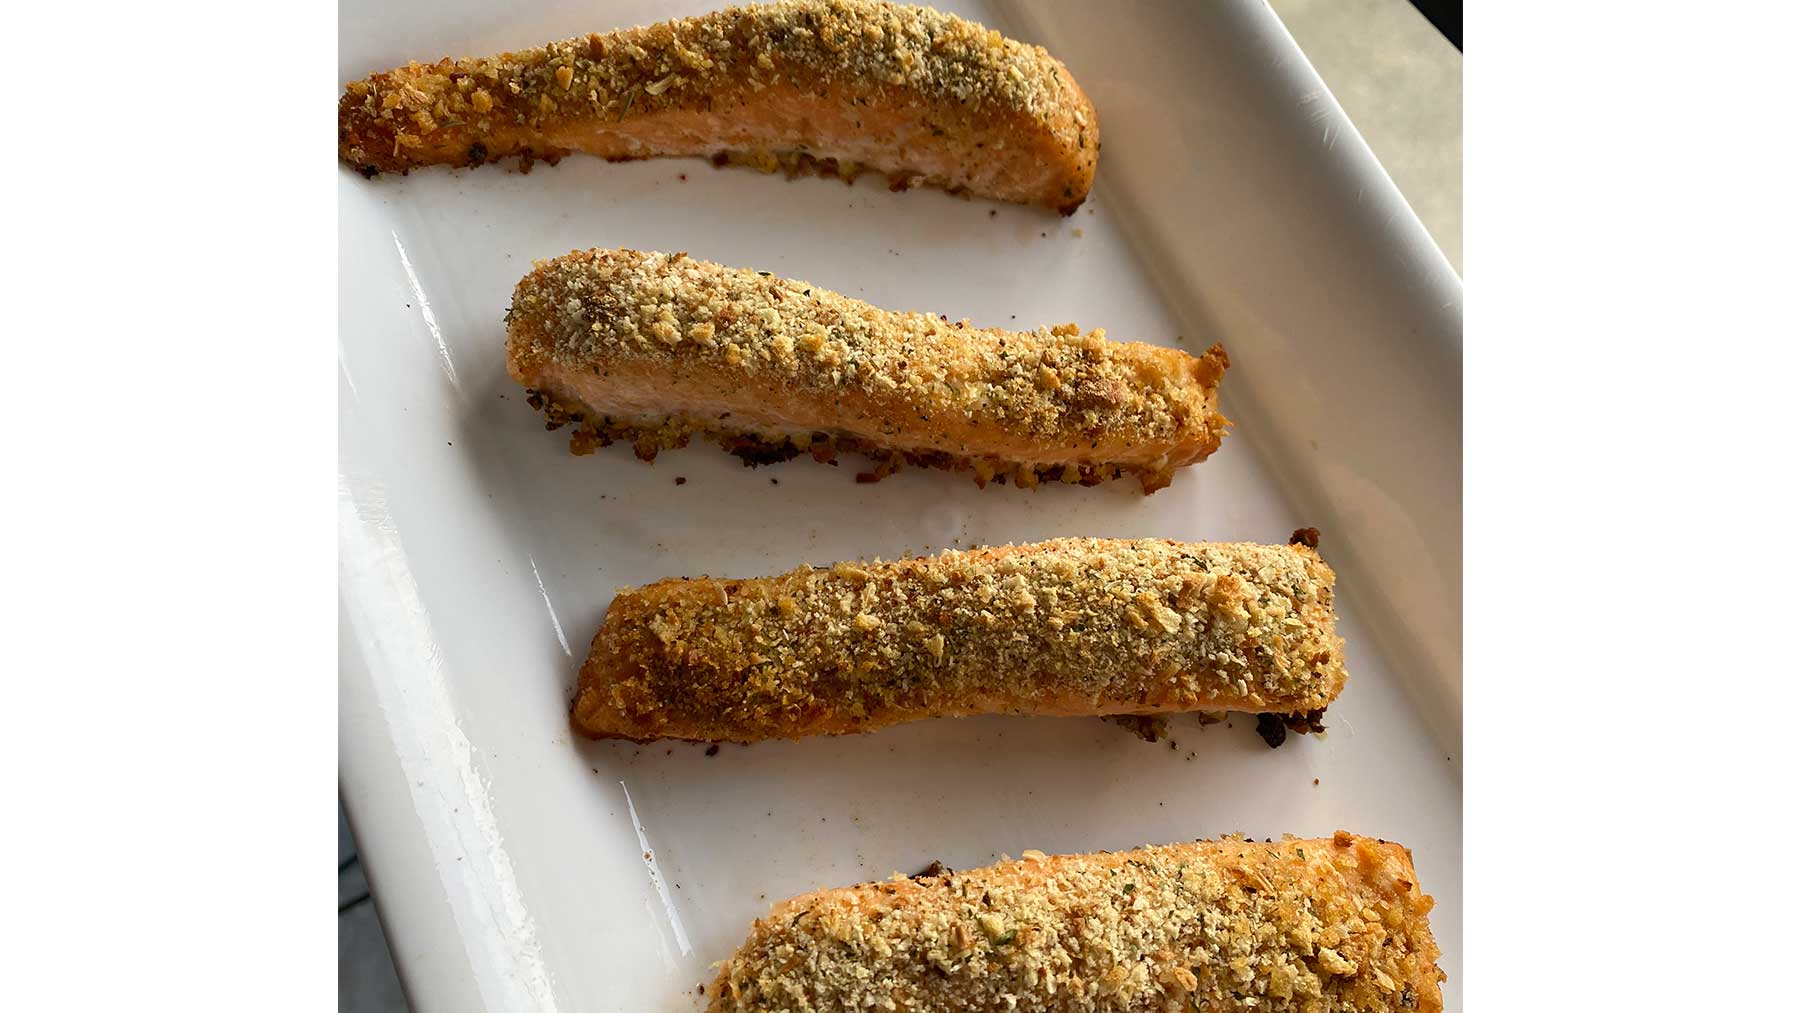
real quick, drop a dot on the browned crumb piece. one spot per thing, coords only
(1149, 727)
(1309, 723)
(1296, 926)
(832, 87)
(653, 349)
(1067, 627)
(1308, 537)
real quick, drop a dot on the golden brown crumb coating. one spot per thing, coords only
(1073, 626)
(655, 347)
(1300, 926)
(834, 86)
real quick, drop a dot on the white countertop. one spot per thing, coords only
(1401, 84)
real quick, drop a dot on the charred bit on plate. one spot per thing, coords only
(1270, 727)
(1274, 728)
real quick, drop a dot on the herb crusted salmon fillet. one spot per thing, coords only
(827, 86)
(1069, 627)
(1299, 926)
(655, 348)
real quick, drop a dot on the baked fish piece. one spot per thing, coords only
(656, 348)
(1309, 926)
(827, 86)
(1068, 627)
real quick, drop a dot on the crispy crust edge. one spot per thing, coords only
(675, 432)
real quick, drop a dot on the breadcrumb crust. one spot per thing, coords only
(1072, 626)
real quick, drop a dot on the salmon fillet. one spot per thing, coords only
(655, 348)
(1299, 926)
(1068, 627)
(831, 86)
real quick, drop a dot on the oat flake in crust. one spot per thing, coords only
(828, 86)
(1068, 627)
(655, 348)
(1299, 926)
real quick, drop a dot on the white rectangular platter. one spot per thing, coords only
(517, 867)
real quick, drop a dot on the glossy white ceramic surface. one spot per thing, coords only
(519, 868)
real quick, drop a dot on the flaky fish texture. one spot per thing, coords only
(655, 348)
(1069, 627)
(827, 86)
